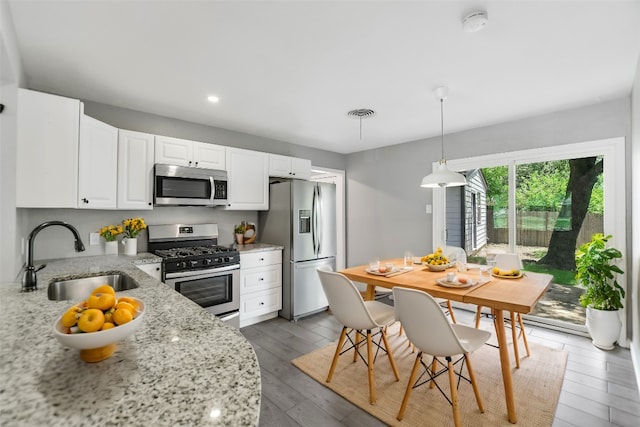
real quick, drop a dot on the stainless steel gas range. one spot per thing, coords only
(196, 266)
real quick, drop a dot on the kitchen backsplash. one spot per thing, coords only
(57, 242)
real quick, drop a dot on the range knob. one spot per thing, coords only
(207, 261)
(227, 259)
(193, 263)
(181, 264)
(217, 260)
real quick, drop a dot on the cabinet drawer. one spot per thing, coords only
(259, 279)
(259, 259)
(262, 302)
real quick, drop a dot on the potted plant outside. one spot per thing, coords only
(239, 231)
(596, 271)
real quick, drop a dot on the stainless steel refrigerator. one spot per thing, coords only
(302, 218)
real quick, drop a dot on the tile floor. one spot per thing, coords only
(599, 387)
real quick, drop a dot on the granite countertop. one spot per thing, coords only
(258, 247)
(182, 367)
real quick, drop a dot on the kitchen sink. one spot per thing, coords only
(79, 289)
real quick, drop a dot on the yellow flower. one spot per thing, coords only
(110, 232)
(133, 226)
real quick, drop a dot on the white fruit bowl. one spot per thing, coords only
(90, 340)
(440, 267)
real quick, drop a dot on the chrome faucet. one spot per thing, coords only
(30, 280)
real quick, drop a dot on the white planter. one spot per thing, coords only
(130, 246)
(111, 248)
(604, 327)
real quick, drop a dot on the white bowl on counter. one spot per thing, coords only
(89, 340)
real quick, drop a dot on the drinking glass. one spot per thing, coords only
(408, 258)
(491, 259)
(374, 264)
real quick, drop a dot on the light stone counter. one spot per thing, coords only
(182, 367)
(258, 247)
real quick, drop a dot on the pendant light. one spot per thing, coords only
(443, 177)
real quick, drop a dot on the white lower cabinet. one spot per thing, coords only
(260, 286)
(153, 269)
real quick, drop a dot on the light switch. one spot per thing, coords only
(428, 209)
(94, 239)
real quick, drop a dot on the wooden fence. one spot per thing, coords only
(534, 228)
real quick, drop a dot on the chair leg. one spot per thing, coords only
(472, 377)
(453, 317)
(434, 367)
(372, 384)
(343, 335)
(524, 334)
(400, 332)
(478, 315)
(412, 379)
(391, 360)
(514, 337)
(355, 347)
(454, 393)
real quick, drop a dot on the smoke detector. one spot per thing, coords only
(475, 21)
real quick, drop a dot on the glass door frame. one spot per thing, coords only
(612, 150)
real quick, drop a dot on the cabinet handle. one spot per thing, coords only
(261, 279)
(85, 200)
(196, 164)
(261, 259)
(149, 203)
(262, 303)
(189, 162)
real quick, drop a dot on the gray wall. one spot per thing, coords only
(633, 305)
(143, 122)
(386, 205)
(11, 76)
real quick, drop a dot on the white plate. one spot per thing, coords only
(386, 273)
(500, 276)
(444, 282)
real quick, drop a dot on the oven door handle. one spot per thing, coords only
(190, 273)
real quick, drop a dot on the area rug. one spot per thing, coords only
(537, 386)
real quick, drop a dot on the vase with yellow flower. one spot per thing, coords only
(132, 227)
(110, 233)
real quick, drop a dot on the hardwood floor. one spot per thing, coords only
(599, 387)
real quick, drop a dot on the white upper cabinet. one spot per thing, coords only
(97, 164)
(47, 150)
(209, 156)
(182, 152)
(135, 170)
(289, 167)
(248, 174)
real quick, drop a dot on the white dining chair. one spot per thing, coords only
(362, 317)
(441, 339)
(511, 261)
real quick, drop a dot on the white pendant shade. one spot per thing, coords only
(443, 177)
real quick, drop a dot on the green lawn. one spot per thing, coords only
(561, 277)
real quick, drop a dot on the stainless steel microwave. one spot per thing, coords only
(185, 186)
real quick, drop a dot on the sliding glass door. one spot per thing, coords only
(541, 204)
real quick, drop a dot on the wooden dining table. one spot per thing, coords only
(512, 295)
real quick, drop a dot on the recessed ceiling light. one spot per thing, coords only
(213, 98)
(475, 21)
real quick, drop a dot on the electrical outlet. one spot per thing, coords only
(428, 209)
(94, 239)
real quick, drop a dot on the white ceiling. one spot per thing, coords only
(292, 70)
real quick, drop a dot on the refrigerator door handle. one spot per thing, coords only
(320, 217)
(314, 221)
